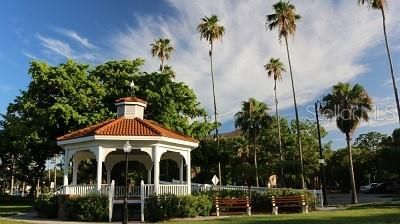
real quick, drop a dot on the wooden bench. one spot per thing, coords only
(232, 203)
(289, 201)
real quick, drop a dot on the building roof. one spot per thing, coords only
(127, 127)
(130, 99)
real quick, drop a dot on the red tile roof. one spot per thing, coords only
(130, 99)
(127, 127)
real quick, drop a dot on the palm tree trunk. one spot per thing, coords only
(215, 108)
(213, 90)
(352, 181)
(282, 179)
(255, 157)
(162, 65)
(297, 117)
(391, 64)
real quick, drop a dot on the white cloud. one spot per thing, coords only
(75, 36)
(56, 46)
(29, 55)
(331, 38)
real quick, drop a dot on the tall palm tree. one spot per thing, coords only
(162, 48)
(251, 119)
(350, 106)
(284, 19)
(380, 5)
(275, 70)
(211, 30)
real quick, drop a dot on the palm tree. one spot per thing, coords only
(380, 5)
(251, 119)
(349, 105)
(275, 70)
(210, 30)
(162, 48)
(284, 19)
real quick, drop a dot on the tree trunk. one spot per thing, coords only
(215, 108)
(255, 158)
(352, 181)
(390, 63)
(297, 117)
(162, 65)
(282, 179)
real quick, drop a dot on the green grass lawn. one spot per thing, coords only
(363, 214)
(7, 210)
(360, 214)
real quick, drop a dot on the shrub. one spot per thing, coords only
(87, 208)
(164, 207)
(15, 200)
(203, 204)
(46, 206)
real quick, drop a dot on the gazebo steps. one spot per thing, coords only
(133, 212)
(131, 200)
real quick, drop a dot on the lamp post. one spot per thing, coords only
(127, 149)
(321, 160)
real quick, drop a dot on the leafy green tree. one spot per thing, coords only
(275, 70)
(59, 99)
(211, 30)
(70, 96)
(270, 154)
(380, 5)
(350, 106)
(284, 19)
(173, 104)
(162, 48)
(371, 141)
(252, 118)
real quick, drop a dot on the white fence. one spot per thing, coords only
(173, 189)
(318, 198)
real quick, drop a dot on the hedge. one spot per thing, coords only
(87, 208)
(46, 206)
(167, 206)
(84, 208)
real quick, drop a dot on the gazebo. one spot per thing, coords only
(151, 143)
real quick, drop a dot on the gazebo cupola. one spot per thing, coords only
(130, 107)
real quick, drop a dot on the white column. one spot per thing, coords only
(75, 164)
(108, 175)
(66, 167)
(99, 158)
(181, 171)
(156, 163)
(149, 176)
(189, 173)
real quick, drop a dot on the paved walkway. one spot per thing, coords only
(32, 218)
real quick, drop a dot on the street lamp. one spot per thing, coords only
(127, 149)
(321, 160)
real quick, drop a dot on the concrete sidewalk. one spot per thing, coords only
(32, 218)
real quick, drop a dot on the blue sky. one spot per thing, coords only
(335, 41)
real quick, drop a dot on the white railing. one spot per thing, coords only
(133, 191)
(79, 189)
(173, 189)
(318, 198)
